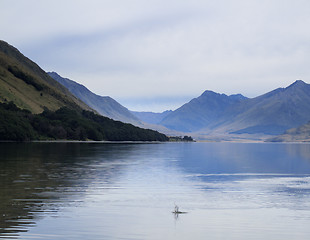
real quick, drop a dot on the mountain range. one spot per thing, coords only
(110, 108)
(212, 115)
(270, 114)
(215, 116)
(34, 106)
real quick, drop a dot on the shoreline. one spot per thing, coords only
(154, 142)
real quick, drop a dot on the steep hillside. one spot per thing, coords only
(34, 106)
(106, 106)
(28, 86)
(200, 112)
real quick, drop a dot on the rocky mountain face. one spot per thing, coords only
(104, 105)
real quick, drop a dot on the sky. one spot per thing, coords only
(156, 55)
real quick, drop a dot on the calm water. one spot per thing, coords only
(127, 191)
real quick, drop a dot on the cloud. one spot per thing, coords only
(137, 49)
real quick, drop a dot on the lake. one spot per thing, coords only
(128, 191)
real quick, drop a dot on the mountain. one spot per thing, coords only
(106, 106)
(28, 86)
(151, 117)
(268, 114)
(34, 106)
(201, 111)
(271, 113)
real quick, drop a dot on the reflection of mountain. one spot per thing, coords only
(234, 158)
(298, 150)
(38, 179)
(42, 177)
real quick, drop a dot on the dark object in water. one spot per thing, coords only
(177, 211)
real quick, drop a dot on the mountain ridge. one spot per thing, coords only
(151, 117)
(104, 105)
(34, 106)
(200, 111)
(271, 113)
(28, 86)
(108, 107)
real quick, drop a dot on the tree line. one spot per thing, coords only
(21, 125)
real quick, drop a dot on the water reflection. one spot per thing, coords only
(298, 150)
(41, 178)
(218, 158)
(128, 191)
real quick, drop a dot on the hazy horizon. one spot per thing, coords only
(157, 55)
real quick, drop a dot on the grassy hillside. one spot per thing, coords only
(28, 86)
(300, 134)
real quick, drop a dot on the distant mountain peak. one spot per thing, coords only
(209, 92)
(237, 96)
(297, 83)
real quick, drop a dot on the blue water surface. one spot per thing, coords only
(128, 191)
